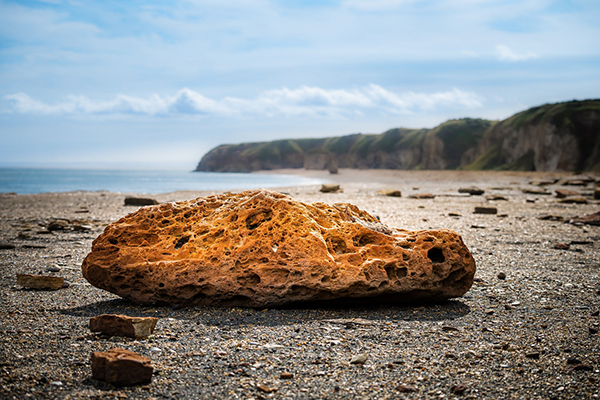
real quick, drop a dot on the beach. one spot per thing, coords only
(527, 329)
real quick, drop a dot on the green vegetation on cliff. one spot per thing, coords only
(561, 136)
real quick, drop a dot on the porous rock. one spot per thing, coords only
(123, 325)
(260, 248)
(40, 282)
(121, 367)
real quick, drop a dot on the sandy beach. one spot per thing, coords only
(527, 329)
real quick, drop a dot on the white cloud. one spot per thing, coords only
(304, 101)
(505, 53)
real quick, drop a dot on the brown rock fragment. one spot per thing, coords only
(390, 193)
(590, 219)
(260, 248)
(422, 196)
(121, 367)
(473, 191)
(140, 201)
(485, 210)
(573, 200)
(330, 188)
(40, 282)
(123, 325)
(563, 193)
(597, 193)
(562, 246)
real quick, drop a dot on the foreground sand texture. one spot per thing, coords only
(523, 337)
(260, 248)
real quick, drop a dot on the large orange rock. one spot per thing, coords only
(260, 248)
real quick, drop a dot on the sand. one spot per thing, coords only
(532, 334)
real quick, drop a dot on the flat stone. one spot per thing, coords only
(330, 188)
(540, 191)
(390, 193)
(590, 219)
(40, 282)
(562, 193)
(543, 182)
(495, 197)
(422, 196)
(473, 191)
(123, 325)
(260, 248)
(573, 200)
(140, 201)
(6, 246)
(121, 367)
(485, 210)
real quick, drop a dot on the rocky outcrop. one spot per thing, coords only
(260, 248)
(552, 137)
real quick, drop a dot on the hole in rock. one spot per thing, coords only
(436, 255)
(181, 242)
(255, 220)
(395, 273)
(363, 240)
(161, 285)
(249, 280)
(112, 241)
(336, 245)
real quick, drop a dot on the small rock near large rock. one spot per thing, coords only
(140, 201)
(121, 367)
(563, 193)
(473, 191)
(330, 188)
(422, 196)
(40, 282)
(390, 193)
(123, 325)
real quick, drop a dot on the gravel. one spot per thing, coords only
(531, 334)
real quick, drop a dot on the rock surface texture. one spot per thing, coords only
(260, 248)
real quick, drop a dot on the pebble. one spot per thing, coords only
(458, 389)
(406, 389)
(502, 276)
(562, 246)
(359, 358)
(485, 210)
(53, 268)
(534, 355)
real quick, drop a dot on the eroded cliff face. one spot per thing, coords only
(556, 137)
(552, 137)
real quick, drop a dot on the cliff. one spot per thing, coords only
(562, 136)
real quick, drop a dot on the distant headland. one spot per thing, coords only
(552, 137)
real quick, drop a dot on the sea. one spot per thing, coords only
(41, 180)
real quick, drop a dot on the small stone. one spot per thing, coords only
(592, 331)
(53, 268)
(573, 200)
(286, 375)
(597, 193)
(267, 389)
(490, 311)
(551, 218)
(123, 325)
(58, 225)
(422, 196)
(582, 367)
(454, 215)
(562, 246)
(473, 191)
(573, 361)
(563, 193)
(390, 193)
(591, 219)
(6, 246)
(458, 389)
(121, 367)
(493, 197)
(541, 191)
(140, 201)
(329, 188)
(40, 282)
(534, 355)
(406, 389)
(447, 328)
(501, 276)
(485, 210)
(359, 359)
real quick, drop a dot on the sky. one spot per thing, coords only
(159, 83)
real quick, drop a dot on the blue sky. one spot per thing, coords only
(162, 82)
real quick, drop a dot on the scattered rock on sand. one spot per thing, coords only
(6, 246)
(260, 248)
(359, 359)
(573, 200)
(330, 188)
(597, 194)
(390, 193)
(473, 191)
(562, 246)
(121, 367)
(590, 219)
(501, 275)
(495, 197)
(40, 282)
(140, 201)
(543, 182)
(123, 325)
(562, 193)
(485, 210)
(422, 196)
(551, 218)
(540, 191)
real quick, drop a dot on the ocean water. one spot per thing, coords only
(41, 180)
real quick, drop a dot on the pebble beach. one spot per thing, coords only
(527, 329)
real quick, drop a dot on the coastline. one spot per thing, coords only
(510, 337)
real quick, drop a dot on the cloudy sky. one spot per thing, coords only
(162, 82)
